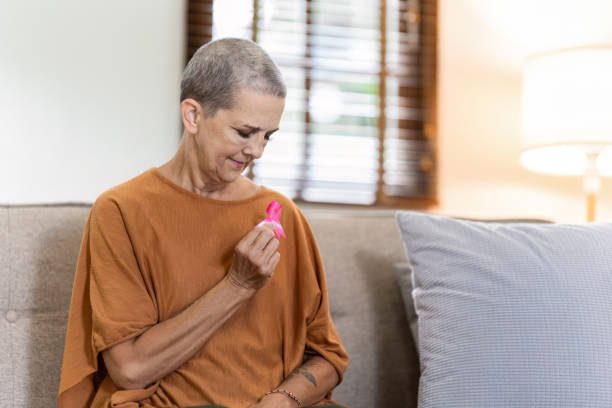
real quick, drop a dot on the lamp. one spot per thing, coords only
(566, 115)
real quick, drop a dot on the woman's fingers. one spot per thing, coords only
(262, 240)
(272, 262)
(254, 242)
(255, 257)
(268, 252)
(271, 246)
(249, 239)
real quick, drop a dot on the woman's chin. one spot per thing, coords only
(228, 177)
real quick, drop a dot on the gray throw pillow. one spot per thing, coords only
(511, 315)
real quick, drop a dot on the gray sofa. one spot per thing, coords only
(38, 251)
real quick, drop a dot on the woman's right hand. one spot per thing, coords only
(255, 258)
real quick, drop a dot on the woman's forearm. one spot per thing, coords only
(310, 382)
(164, 347)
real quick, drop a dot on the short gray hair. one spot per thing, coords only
(220, 67)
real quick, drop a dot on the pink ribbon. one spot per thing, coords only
(274, 211)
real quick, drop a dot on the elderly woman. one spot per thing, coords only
(181, 297)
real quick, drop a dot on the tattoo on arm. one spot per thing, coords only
(306, 374)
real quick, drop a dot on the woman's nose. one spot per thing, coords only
(255, 146)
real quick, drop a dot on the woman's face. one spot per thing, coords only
(228, 141)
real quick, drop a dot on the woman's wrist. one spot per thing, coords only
(240, 291)
(279, 401)
(287, 398)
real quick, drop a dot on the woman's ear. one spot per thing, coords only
(190, 114)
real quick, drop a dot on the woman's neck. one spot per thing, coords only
(184, 170)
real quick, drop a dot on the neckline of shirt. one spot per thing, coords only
(155, 171)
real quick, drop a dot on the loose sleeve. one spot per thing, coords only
(111, 302)
(321, 336)
(121, 294)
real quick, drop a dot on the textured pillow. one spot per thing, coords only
(511, 315)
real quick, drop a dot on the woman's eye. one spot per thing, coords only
(268, 137)
(243, 134)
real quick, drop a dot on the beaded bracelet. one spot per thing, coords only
(287, 393)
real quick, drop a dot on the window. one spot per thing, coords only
(359, 123)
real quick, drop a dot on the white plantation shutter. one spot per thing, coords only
(358, 124)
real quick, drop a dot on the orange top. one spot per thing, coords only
(150, 248)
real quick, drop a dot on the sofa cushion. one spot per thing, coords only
(4, 257)
(359, 253)
(36, 362)
(39, 247)
(6, 363)
(511, 315)
(404, 279)
(44, 242)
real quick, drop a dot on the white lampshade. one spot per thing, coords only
(566, 111)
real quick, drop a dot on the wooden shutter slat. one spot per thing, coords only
(201, 19)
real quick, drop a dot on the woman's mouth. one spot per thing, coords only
(237, 163)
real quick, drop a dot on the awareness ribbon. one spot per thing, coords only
(274, 211)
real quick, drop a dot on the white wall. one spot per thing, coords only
(88, 94)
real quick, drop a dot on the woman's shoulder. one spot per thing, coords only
(130, 192)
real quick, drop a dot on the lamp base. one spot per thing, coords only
(591, 200)
(591, 184)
